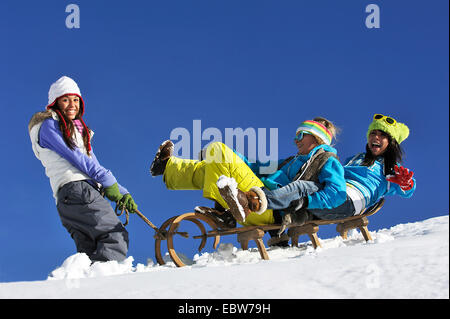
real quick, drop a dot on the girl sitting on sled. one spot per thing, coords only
(369, 177)
(313, 139)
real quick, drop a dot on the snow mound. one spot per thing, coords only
(406, 261)
(79, 266)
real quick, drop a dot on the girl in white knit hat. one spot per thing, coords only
(62, 142)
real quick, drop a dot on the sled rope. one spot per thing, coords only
(121, 213)
(145, 219)
(160, 233)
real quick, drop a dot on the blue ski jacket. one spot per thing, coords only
(332, 194)
(370, 180)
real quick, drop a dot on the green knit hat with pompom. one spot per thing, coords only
(398, 131)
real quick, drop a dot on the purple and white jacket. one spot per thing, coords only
(63, 165)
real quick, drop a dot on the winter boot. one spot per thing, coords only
(257, 201)
(277, 240)
(281, 241)
(236, 201)
(163, 154)
(220, 216)
(296, 215)
(225, 216)
(240, 203)
(243, 203)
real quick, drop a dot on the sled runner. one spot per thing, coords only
(211, 217)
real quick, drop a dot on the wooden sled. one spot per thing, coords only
(169, 229)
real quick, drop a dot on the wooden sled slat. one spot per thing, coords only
(256, 233)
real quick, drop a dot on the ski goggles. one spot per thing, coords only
(300, 134)
(314, 128)
(387, 119)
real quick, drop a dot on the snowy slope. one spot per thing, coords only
(406, 261)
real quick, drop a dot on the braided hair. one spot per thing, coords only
(68, 128)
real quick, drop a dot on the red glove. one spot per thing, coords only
(402, 177)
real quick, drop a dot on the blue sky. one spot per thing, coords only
(147, 67)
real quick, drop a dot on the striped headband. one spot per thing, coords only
(316, 129)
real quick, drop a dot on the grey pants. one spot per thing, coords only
(92, 222)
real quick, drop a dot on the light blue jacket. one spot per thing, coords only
(370, 180)
(332, 194)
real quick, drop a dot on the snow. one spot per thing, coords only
(224, 181)
(406, 261)
(227, 181)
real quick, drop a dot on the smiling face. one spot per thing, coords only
(378, 142)
(306, 144)
(69, 105)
